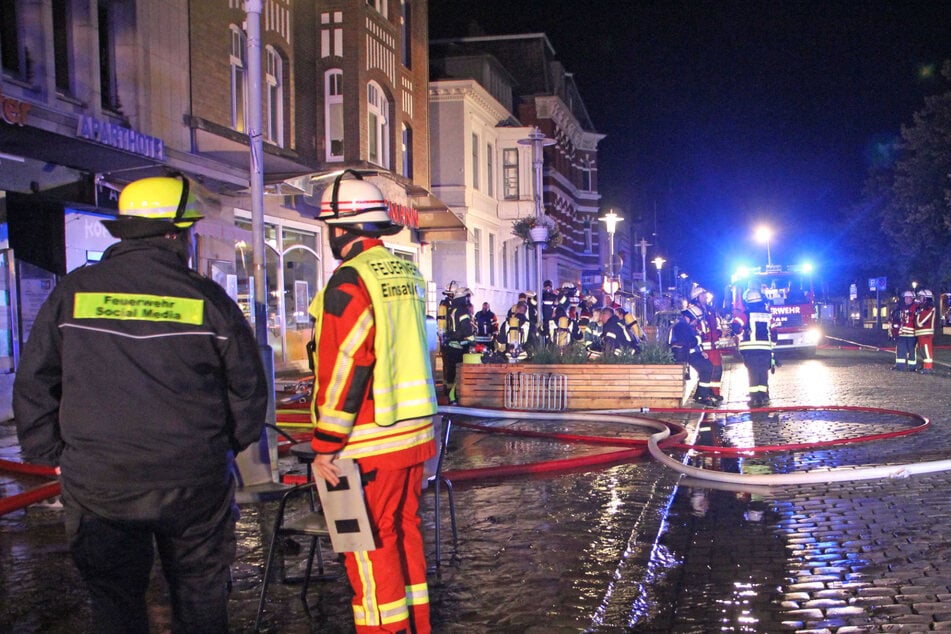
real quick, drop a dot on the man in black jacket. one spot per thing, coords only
(140, 381)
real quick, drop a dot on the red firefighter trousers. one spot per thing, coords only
(389, 583)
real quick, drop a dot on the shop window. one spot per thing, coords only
(293, 278)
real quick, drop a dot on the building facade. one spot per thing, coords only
(488, 94)
(96, 94)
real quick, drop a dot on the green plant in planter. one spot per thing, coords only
(651, 353)
(521, 227)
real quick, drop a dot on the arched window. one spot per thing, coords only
(378, 126)
(239, 80)
(274, 80)
(333, 114)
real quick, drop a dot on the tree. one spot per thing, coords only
(916, 215)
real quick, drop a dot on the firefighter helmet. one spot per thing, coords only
(908, 295)
(451, 288)
(925, 294)
(752, 296)
(696, 292)
(154, 206)
(358, 206)
(463, 291)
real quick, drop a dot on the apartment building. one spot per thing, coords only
(96, 94)
(487, 96)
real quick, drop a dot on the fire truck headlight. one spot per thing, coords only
(813, 336)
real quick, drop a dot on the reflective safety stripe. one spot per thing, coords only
(128, 306)
(417, 594)
(367, 612)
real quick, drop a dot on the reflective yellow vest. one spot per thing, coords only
(402, 376)
(404, 396)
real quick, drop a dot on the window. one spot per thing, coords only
(489, 171)
(378, 125)
(586, 179)
(108, 89)
(492, 259)
(333, 114)
(588, 236)
(274, 80)
(292, 260)
(239, 80)
(510, 173)
(477, 255)
(9, 38)
(475, 162)
(505, 263)
(380, 6)
(407, 152)
(331, 36)
(62, 40)
(406, 26)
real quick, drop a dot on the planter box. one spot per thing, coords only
(587, 386)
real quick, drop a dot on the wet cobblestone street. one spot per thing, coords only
(625, 548)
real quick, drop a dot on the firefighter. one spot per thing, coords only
(685, 340)
(443, 309)
(459, 336)
(903, 332)
(486, 325)
(753, 326)
(374, 401)
(710, 335)
(615, 338)
(139, 382)
(549, 300)
(924, 329)
(514, 335)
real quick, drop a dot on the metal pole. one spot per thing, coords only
(538, 140)
(253, 123)
(253, 18)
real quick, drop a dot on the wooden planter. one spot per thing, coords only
(586, 386)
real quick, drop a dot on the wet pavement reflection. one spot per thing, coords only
(628, 547)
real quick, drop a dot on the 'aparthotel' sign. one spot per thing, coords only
(116, 136)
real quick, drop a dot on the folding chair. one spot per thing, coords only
(310, 524)
(436, 482)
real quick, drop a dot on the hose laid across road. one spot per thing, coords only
(663, 433)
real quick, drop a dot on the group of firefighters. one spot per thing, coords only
(912, 329)
(566, 318)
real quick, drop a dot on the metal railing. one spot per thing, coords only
(536, 391)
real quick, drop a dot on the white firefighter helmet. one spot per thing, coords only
(154, 206)
(451, 288)
(696, 292)
(357, 205)
(693, 312)
(925, 294)
(908, 294)
(752, 296)
(463, 291)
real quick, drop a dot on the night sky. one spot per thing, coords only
(723, 115)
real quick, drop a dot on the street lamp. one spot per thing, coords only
(764, 234)
(659, 263)
(538, 141)
(610, 221)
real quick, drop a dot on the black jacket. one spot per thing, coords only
(139, 374)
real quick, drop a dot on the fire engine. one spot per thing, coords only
(789, 295)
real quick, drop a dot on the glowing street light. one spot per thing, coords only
(659, 263)
(764, 234)
(610, 220)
